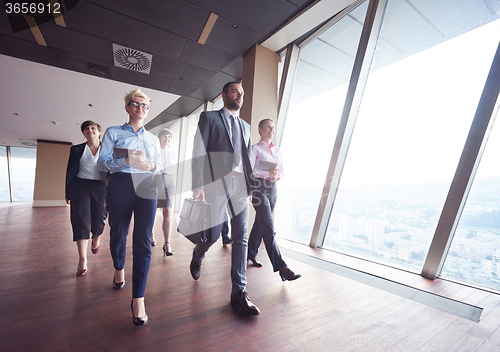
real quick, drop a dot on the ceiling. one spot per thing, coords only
(47, 91)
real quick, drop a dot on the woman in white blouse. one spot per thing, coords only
(267, 164)
(166, 198)
(85, 193)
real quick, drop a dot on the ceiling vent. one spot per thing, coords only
(131, 59)
(28, 144)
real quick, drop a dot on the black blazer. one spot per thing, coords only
(75, 154)
(213, 150)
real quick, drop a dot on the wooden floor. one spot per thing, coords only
(45, 307)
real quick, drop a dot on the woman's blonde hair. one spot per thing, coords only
(135, 93)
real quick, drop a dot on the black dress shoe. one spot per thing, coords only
(287, 274)
(118, 285)
(195, 269)
(138, 320)
(240, 299)
(226, 239)
(255, 262)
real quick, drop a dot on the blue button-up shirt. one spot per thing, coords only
(125, 137)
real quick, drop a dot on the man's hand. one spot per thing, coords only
(199, 194)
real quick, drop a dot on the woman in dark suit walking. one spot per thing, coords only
(85, 193)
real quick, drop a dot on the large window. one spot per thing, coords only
(23, 172)
(191, 125)
(218, 104)
(318, 93)
(4, 176)
(23, 163)
(474, 255)
(428, 72)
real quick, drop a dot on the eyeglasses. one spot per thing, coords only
(139, 105)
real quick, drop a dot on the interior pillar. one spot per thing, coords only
(260, 82)
(50, 177)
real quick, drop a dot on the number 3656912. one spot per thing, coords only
(32, 8)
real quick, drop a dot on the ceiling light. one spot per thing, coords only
(208, 28)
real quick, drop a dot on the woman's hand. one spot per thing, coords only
(273, 175)
(135, 157)
(144, 165)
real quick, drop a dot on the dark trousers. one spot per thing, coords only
(123, 200)
(87, 208)
(263, 201)
(225, 227)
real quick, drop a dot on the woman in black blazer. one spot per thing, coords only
(85, 193)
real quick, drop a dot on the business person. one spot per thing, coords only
(222, 176)
(167, 191)
(267, 164)
(85, 193)
(131, 190)
(225, 231)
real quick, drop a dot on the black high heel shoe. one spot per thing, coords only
(153, 241)
(255, 262)
(138, 320)
(287, 274)
(165, 252)
(118, 285)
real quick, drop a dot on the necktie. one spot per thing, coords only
(236, 137)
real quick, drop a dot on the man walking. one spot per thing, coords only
(222, 176)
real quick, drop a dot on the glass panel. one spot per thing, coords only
(428, 73)
(192, 125)
(474, 255)
(318, 95)
(281, 65)
(23, 173)
(4, 176)
(218, 104)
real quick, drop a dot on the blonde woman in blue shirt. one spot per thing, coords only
(131, 190)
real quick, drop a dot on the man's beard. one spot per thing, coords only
(233, 105)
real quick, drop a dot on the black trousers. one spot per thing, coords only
(263, 201)
(126, 196)
(87, 208)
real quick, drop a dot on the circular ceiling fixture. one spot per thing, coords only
(131, 59)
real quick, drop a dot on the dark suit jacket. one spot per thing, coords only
(213, 150)
(75, 154)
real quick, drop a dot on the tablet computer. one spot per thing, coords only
(121, 152)
(266, 165)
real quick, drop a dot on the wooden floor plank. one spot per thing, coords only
(45, 307)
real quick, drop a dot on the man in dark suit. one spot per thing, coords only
(222, 176)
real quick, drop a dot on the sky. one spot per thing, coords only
(413, 121)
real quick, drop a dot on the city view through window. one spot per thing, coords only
(23, 163)
(410, 131)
